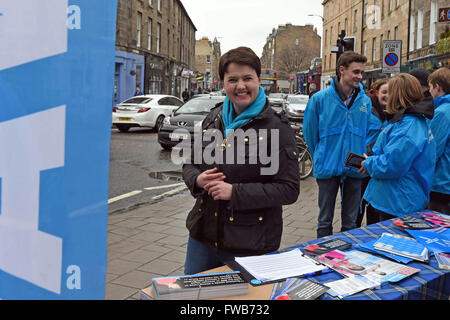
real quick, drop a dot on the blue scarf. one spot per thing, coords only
(231, 122)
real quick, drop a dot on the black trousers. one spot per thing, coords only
(439, 202)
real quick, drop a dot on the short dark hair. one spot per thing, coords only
(347, 58)
(240, 55)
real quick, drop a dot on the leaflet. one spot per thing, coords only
(279, 266)
(351, 285)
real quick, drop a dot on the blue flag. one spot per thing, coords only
(56, 86)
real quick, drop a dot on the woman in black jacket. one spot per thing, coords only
(246, 171)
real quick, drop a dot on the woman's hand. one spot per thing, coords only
(219, 190)
(363, 170)
(208, 176)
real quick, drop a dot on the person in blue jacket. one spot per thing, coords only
(338, 120)
(379, 97)
(404, 156)
(439, 82)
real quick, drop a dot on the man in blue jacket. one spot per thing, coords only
(439, 82)
(337, 121)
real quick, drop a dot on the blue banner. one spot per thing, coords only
(56, 88)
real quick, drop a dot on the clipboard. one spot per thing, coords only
(247, 276)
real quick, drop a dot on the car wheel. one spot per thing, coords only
(123, 127)
(159, 123)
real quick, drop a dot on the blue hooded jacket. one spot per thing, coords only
(403, 161)
(440, 127)
(331, 130)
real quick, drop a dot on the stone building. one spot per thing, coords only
(207, 55)
(155, 48)
(372, 21)
(290, 49)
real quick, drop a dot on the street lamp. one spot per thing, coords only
(316, 15)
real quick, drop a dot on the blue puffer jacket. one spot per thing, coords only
(331, 130)
(440, 128)
(402, 164)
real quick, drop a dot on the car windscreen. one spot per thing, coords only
(138, 100)
(298, 100)
(198, 106)
(276, 95)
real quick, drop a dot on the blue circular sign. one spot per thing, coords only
(391, 59)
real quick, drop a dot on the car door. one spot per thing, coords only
(170, 104)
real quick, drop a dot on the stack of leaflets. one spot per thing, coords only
(368, 247)
(345, 287)
(437, 240)
(326, 246)
(346, 262)
(377, 269)
(297, 289)
(436, 218)
(402, 246)
(199, 286)
(443, 260)
(411, 223)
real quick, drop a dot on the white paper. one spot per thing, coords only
(350, 285)
(279, 266)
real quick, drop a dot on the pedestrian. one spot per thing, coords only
(185, 95)
(312, 89)
(422, 75)
(138, 92)
(439, 82)
(404, 156)
(337, 121)
(379, 98)
(238, 209)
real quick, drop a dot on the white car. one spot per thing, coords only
(295, 107)
(144, 111)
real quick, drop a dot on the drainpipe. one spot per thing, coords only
(362, 25)
(409, 28)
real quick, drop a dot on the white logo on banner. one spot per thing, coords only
(31, 30)
(29, 145)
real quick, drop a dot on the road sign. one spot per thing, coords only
(392, 53)
(444, 14)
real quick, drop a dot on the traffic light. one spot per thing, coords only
(349, 43)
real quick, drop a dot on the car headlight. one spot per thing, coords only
(166, 121)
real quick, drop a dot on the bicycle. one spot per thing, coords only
(305, 160)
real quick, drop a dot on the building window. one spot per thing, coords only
(390, 5)
(208, 58)
(158, 38)
(433, 21)
(397, 3)
(150, 2)
(389, 35)
(331, 35)
(419, 27)
(149, 34)
(138, 27)
(355, 21)
(159, 5)
(396, 33)
(365, 48)
(374, 49)
(412, 30)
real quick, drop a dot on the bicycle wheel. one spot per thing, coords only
(305, 163)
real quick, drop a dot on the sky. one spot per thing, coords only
(248, 22)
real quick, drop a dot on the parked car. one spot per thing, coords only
(195, 110)
(295, 106)
(277, 101)
(144, 111)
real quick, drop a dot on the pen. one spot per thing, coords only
(312, 274)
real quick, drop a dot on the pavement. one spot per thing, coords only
(151, 241)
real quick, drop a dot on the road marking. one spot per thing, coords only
(171, 192)
(166, 186)
(123, 196)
